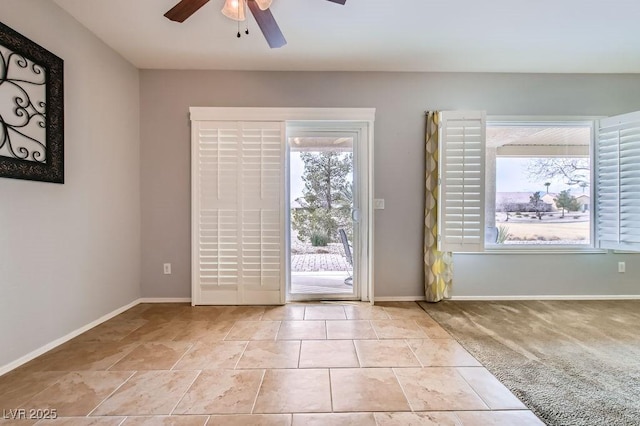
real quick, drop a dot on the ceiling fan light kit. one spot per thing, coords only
(236, 10)
(264, 4)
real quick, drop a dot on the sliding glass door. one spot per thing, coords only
(323, 203)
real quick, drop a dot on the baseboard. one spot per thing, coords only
(400, 299)
(549, 297)
(51, 345)
(164, 300)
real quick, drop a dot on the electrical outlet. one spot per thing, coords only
(167, 269)
(622, 267)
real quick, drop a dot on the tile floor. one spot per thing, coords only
(300, 364)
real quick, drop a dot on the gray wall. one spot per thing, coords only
(400, 99)
(70, 253)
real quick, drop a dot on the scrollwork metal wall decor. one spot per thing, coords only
(31, 110)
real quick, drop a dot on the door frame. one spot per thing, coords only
(358, 130)
(362, 116)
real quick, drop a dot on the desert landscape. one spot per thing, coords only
(526, 228)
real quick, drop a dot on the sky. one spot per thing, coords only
(296, 168)
(511, 176)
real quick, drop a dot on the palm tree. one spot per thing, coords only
(547, 184)
(583, 185)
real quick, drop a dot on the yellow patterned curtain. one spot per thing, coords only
(438, 266)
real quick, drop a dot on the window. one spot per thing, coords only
(538, 184)
(551, 184)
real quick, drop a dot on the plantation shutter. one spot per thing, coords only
(618, 182)
(238, 212)
(462, 181)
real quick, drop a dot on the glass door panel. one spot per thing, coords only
(323, 207)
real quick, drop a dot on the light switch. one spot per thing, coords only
(378, 204)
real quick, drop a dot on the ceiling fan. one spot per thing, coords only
(259, 9)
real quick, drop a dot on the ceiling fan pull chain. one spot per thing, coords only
(246, 31)
(238, 21)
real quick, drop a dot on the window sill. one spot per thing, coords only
(544, 250)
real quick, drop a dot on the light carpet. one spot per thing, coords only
(570, 362)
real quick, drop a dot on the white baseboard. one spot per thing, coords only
(51, 345)
(549, 297)
(400, 299)
(164, 300)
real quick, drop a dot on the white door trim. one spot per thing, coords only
(281, 114)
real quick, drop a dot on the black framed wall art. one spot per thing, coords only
(31, 110)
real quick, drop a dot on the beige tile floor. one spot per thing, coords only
(300, 364)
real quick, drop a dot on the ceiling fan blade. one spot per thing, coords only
(339, 1)
(181, 11)
(268, 25)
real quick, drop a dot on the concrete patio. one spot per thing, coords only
(318, 273)
(318, 262)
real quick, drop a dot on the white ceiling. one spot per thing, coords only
(582, 36)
